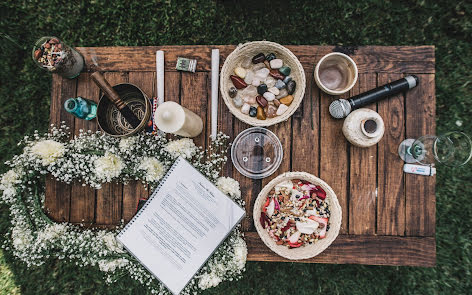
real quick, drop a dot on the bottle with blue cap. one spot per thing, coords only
(81, 108)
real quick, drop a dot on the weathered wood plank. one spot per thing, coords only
(398, 59)
(82, 204)
(55, 109)
(172, 86)
(57, 199)
(109, 204)
(225, 125)
(334, 161)
(194, 96)
(207, 117)
(391, 193)
(82, 201)
(305, 128)
(110, 196)
(420, 190)
(359, 249)
(363, 174)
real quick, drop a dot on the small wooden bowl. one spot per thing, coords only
(248, 50)
(109, 117)
(309, 250)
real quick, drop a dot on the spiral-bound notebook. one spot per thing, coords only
(180, 226)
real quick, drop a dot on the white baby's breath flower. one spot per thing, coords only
(108, 167)
(209, 280)
(112, 244)
(240, 253)
(153, 167)
(126, 143)
(52, 231)
(229, 186)
(112, 265)
(48, 151)
(10, 178)
(7, 185)
(21, 238)
(8, 193)
(183, 147)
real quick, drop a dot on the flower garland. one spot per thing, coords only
(93, 159)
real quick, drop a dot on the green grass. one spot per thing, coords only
(7, 282)
(24, 106)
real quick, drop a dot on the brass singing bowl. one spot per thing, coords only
(110, 119)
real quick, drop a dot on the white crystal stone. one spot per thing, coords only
(249, 99)
(249, 91)
(256, 82)
(245, 108)
(258, 66)
(269, 96)
(249, 77)
(238, 102)
(282, 109)
(276, 63)
(274, 90)
(262, 73)
(269, 81)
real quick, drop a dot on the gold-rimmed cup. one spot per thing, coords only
(336, 73)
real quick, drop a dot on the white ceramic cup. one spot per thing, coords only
(336, 73)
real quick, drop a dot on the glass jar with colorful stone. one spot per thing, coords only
(53, 55)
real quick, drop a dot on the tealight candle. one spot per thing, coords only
(170, 117)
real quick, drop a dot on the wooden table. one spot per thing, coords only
(388, 216)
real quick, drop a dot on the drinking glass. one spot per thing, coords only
(451, 149)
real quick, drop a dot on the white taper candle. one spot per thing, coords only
(215, 70)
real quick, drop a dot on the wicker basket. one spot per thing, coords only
(309, 250)
(248, 50)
